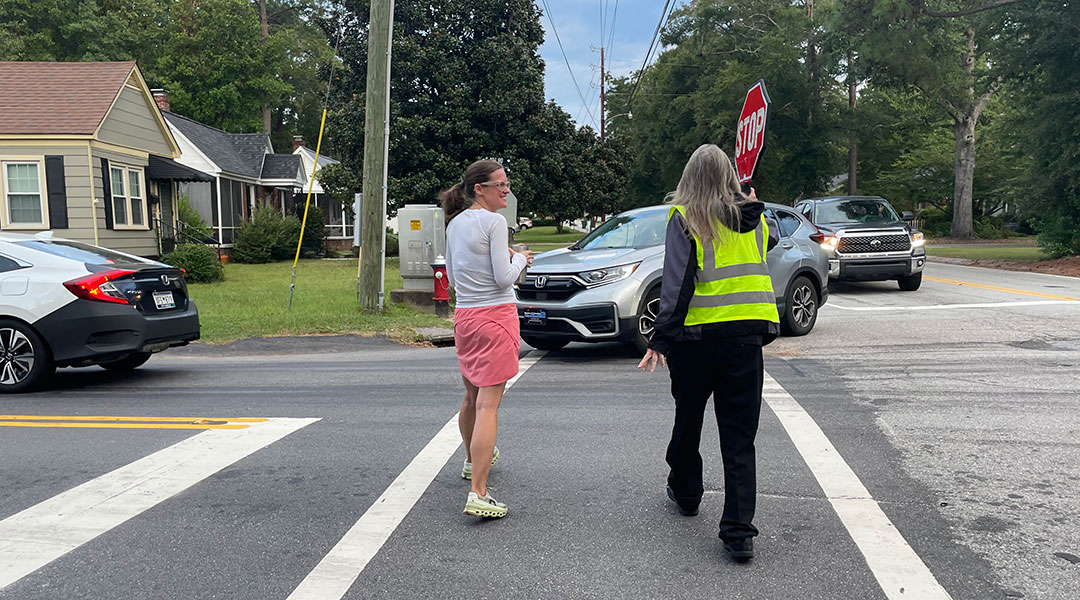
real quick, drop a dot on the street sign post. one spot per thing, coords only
(750, 132)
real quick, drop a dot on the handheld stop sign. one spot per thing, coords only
(750, 132)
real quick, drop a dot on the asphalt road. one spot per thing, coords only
(954, 406)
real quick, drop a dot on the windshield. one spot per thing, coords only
(84, 253)
(639, 230)
(856, 210)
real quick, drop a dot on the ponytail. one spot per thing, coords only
(453, 201)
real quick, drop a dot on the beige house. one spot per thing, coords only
(75, 147)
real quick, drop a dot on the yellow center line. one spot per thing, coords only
(999, 289)
(145, 419)
(103, 425)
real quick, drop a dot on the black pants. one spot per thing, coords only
(732, 373)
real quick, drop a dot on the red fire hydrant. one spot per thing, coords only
(442, 287)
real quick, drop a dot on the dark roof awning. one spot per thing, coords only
(166, 168)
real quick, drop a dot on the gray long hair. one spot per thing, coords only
(709, 189)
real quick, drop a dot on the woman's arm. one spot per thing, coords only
(677, 287)
(505, 270)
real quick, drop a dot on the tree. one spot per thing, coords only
(947, 57)
(466, 83)
(1041, 53)
(694, 91)
(214, 68)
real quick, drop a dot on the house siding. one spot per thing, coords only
(139, 241)
(76, 183)
(131, 123)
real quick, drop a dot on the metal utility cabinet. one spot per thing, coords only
(421, 237)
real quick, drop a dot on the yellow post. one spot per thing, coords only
(307, 205)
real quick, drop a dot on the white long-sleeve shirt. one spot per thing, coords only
(478, 261)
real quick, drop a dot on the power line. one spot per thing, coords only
(656, 34)
(555, 30)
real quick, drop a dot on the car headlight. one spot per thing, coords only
(917, 239)
(830, 243)
(608, 275)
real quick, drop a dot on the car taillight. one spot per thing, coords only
(99, 286)
(817, 237)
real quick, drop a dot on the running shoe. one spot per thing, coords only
(484, 506)
(466, 469)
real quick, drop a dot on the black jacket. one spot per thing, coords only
(677, 289)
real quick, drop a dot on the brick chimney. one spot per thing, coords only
(161, 98)
(297, 141)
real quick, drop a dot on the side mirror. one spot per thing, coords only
(908, 216)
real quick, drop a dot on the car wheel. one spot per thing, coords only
(646, 320)
(802, 308)
(544, 343)
(129, 362)
(24, 358)
(911, 282)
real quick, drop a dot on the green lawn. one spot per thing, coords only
(977, 252)
(544, 238)
(253, 300)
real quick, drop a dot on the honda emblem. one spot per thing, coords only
(541, 281)
(165, 280)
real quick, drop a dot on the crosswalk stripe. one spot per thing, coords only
(336, 572)
(899, 571)
(46, 531)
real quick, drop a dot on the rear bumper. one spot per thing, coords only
(85, 332)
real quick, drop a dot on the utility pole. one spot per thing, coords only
(369, 289)
(601, 92)
(265, 22)
(853, 144)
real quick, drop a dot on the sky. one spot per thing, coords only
(628, 29)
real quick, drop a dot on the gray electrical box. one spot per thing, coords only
(421, 237)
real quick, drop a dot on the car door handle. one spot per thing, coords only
(787, 245)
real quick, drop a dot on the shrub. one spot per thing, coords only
(200, 262)
(990, 227)
(314, 232)
(391, 244)
(190, 222)
(1060, 237)
(936, 223)
(266, 237)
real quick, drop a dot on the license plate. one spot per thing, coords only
(535, 317)
(163, 300)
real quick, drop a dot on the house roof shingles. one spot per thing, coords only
(236, 153)
(280, 166)
(58, 98)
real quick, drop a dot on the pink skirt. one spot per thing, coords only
(488, 341)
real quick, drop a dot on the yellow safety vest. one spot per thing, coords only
(732, 283)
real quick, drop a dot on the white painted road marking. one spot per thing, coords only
(953, 306)
(44, 532)
(336, 572)
(898, 569)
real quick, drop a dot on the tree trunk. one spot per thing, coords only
(265, 22)
(964, 130)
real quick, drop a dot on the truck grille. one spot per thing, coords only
(893, 242)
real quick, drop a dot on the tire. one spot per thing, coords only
(911, 282)
(24, 358)
(646, 320)
(802, 302)
(544, 343)
(129, 362)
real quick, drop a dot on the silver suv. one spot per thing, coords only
(606, 287)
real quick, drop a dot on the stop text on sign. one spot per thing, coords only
(749, 131)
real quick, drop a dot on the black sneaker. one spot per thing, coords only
(741, 549)
(686, 511)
